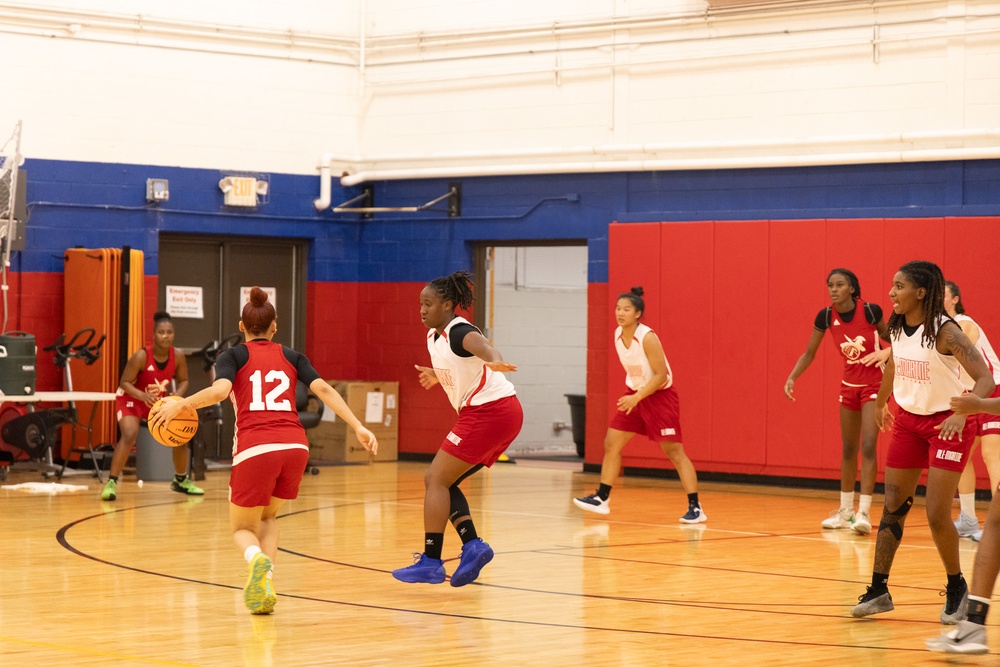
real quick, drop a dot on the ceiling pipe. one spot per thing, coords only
(561, 166)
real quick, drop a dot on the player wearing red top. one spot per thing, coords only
(855, 327)
(270, 451)
(148, 376)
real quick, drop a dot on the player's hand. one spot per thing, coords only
(951, 427)
(501, 366)
(163, 413)
(627, 403)
(966, 404)
(427, 377)
(367, 439)
(883, 417)
(878, 357)
(789, 388)
(149, 398)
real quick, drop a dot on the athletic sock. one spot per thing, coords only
(250, 552)
(880, 582)
(847, 500)
(180, 478)
(978, 608)
(693, 499)
(113, 478)
(603, 491)
(433, 543)
(967, 501)
(865, 503)
(467, 531)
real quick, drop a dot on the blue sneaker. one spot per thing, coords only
(423, 571)
(694, 515)
(475, 555)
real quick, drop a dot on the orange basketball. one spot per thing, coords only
(178, 430)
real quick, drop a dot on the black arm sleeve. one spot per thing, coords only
(458, 334)
(230, 361)
(874, 313)
(303, 367)
(822, 321)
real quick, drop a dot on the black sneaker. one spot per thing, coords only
(956, 605)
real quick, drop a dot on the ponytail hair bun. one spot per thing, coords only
(258, 312)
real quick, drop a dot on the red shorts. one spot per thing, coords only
(658, 417)
(128, 406)
(987, 424)
(915, 443)
(484, 432)
(276, 474)
(853, 398)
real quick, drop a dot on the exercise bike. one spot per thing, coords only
(35, 432)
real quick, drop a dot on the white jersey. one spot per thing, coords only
(637, 369)
(925, 380)
(985, 349)
(466, 380)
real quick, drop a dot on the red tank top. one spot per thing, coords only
(154, 380)
(263, 395)
(854, 340)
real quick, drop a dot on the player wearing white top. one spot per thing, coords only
(987, 426)
(470, 370)
(650, 407)
(929, 351)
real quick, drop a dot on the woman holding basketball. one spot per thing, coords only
(855, 328)
(650, 407)
(147, 377)
(987, 426)
(270, 450)
(470, 370)
(932, 362)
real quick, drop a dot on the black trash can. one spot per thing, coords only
(578, 418)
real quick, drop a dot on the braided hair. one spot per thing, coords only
(959, 307)
(927, 275)
(851, 278)
(635, 297)
(455, 287)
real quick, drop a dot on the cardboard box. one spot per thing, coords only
(376, 404)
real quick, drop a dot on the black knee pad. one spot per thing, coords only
(891, 520)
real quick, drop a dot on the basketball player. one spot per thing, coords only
(969, 636)
(270, 450)
(650, 407)
(147, 377)
(855, 327)
(987, 426)
(470, 370)
(929, 353)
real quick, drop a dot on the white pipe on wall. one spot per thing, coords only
(941, 154)
(456, 168)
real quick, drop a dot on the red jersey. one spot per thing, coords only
(855, 336)
(263, 395)
(151, 378)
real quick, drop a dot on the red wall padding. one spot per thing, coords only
(734, 304)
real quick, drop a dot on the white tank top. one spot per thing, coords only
(985, 349)
(466, 380)
(925, 380)
(637, 369)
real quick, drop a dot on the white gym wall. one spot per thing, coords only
(271, 86)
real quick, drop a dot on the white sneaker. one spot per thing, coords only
(842, 518)
(862, 523)
(966, 637)
(977, 536)
(967, 525)
(593, 503)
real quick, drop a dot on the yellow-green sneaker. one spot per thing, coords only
(258, 594)
(110, 491)
(186, 486)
